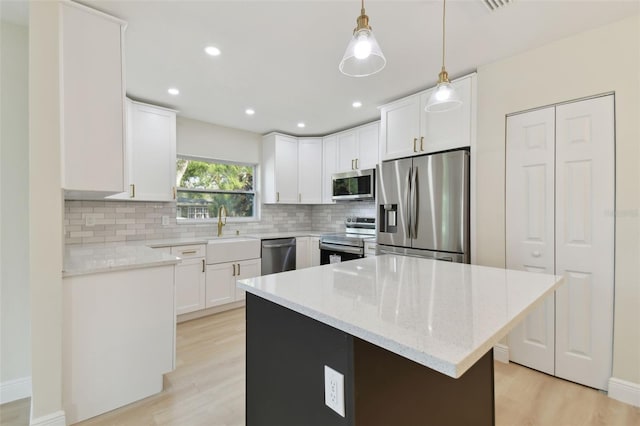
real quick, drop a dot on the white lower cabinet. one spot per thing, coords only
(303, 255)
(221, 281)
(190, 278)
(314, 250)
(118, 338)
(307, 252)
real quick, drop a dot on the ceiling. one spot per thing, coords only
(281, 57)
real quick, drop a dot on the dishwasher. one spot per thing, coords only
(278, 255)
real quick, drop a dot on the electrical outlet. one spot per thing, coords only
(334, 390)
(90, 220)
(165, 220)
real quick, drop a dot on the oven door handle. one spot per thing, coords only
(343, 249)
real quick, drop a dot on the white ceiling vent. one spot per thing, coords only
(496, 4)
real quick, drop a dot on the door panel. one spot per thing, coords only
(530, 227)
(441, 192)
(393, 203)
(585, 171)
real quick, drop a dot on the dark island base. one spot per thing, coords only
(286, 355)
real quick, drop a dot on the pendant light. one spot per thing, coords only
(363, 56)
(444, 96)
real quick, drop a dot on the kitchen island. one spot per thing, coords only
(411, 337)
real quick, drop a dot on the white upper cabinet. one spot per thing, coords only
(329, 166)
(280, 169)
(347, 150)
(407, 129)
(358, 148)
(92, 92)
(310, 171)
(368, 148)
(400, 128)
(150, 153)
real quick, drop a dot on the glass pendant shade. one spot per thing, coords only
(443, 98)
(363, 56)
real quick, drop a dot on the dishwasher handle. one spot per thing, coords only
(278, 245)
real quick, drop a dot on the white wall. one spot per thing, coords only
(45, 214)
(15, 344)
(601, 60)
(207, 140)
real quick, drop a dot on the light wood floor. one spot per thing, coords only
(207, 388)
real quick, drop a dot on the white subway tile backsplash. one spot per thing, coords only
(120, 221)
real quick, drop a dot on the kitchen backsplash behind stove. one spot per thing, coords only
(121, 221)
(330, 217)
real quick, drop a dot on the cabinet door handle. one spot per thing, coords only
(421, 143)
(415, 141)
(299, 197)
(352, 168)
(202, 265)
(356, 164)
(132, 191)
(238, 269)
(234, 269)
(277, 196)
(174, 192)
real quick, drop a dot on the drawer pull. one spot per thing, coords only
(190, 252)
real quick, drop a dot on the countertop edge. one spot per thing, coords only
(150, 264)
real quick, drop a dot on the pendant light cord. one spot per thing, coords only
(444, 11)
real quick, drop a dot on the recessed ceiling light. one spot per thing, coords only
(356, 104)
(173, 91)
(249, 111)
(301, 124)
(212, 50)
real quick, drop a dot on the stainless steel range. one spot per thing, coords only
(348, 245)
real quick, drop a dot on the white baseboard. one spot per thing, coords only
(627, 392)
(501, 353)
(53, 419)
(13, 390)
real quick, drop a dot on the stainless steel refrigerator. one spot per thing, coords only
(423, 206)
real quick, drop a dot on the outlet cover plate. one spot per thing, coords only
(334, 390)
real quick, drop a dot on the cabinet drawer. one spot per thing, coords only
(186, 252)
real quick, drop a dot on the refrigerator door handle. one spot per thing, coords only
(414, 202)
(409, 207)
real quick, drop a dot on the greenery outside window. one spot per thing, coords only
(206, 185)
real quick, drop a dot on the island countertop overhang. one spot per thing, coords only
(442, 315)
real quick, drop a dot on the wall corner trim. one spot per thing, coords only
(54, 419)
(501, 353)
(627, 392)
(13, 390)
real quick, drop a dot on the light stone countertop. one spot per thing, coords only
(442, 315)
(91, 259)
(107, 257)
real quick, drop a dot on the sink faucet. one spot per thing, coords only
(220, 223)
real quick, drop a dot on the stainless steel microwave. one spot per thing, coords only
(356, 185)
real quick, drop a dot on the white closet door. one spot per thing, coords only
(530, 227)
(585, 191)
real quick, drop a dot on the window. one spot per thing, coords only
(206, 185)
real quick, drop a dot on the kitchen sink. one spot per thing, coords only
(232, 249)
